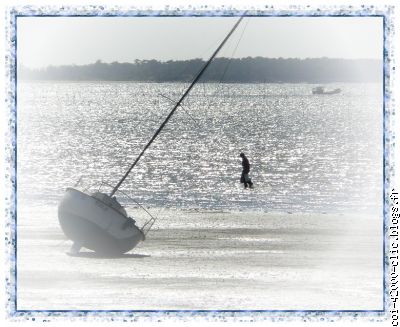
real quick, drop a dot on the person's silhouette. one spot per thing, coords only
(245, 179)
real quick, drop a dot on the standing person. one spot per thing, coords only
(245, 179)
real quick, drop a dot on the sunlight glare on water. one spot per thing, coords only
(309, 153)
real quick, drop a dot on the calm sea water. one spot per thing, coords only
(309, 153)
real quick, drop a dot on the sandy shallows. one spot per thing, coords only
(214, 261)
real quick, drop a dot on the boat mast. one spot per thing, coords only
(176, 106)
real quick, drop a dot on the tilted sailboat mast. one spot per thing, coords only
(176, 106)
(97, 221)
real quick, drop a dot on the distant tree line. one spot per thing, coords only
(243, 70)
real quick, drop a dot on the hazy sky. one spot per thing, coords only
(44, 41)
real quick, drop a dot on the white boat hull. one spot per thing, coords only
(96, 225)
(322, 91)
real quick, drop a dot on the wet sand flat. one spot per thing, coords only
(195, 260)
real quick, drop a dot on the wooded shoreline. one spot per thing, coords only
(243, 70)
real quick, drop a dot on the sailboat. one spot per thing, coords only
(321, 90)
(97, 221)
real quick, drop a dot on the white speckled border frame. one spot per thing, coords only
(12, 312)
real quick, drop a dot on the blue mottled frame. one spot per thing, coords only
(386, 13)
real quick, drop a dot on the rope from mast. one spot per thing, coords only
(177, 105)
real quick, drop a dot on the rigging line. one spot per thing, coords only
(225, 71)
(220, 81)
(228, 64)
(177, 105)
(186, 68)
(139, 204)
(184, 109)
(226, 68)
(122, 192)
(187, 65)
(234, 51)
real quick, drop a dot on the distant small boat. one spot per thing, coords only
(321, 90)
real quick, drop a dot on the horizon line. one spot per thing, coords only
(100, 61)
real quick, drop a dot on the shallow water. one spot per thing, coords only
(315, 159)
(309, 153)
